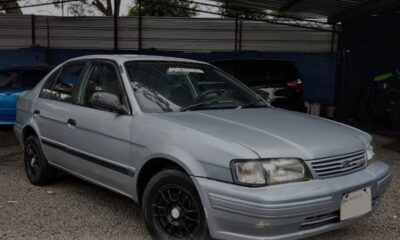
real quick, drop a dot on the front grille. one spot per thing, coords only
(329, 167)
(320, 220)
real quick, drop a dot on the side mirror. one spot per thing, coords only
(107, 101)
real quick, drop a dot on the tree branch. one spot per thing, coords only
(99, 5)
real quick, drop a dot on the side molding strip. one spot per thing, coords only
(91, 159)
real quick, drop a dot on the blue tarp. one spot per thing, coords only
(317, 70)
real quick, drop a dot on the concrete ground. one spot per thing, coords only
(74, 209)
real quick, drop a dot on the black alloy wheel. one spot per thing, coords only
(173, 209)
(38, 171)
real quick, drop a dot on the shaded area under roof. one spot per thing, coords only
(334, 10)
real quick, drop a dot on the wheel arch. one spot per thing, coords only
(28, 131)
(151, 168)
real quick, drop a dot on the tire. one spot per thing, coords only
(172, 207)
(38, 170)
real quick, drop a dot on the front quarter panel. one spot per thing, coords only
(200, 154)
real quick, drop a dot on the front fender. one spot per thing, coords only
(178, 156)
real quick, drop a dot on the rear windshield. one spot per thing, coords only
(261, 73)
(7, 78)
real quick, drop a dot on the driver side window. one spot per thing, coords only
(103, 77)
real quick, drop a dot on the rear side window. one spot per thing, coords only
(259, 73)
(61, 85)
(253, 74)
(48, 85)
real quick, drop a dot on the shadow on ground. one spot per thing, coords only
(7, 137)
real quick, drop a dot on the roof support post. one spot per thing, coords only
(333, 39)
(236, 33)
(140, 25)
(33, 32)
(48, 32)
(116, 3)
(240, 35)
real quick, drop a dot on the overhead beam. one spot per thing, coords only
(271, 17)
(240, 3)
(289, 5)
(371, 7)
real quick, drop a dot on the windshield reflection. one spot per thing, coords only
(165, 86)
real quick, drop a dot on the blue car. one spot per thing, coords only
(13, 81)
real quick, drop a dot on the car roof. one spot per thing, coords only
(132, 57)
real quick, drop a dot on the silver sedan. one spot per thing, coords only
(203, 154)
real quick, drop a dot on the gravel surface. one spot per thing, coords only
(74, 209)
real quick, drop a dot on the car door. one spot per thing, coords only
(50, 109)
(99, 138)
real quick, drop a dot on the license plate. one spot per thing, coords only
(355, 204)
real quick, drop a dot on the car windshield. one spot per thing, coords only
(166, 86)
(8, 78)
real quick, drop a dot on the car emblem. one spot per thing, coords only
(346, 164)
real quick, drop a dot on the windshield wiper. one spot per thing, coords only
(199, 104)
(204, 104)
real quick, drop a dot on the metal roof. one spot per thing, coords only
(334, 10)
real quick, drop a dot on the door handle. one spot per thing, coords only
(36, 112)
(71, 122)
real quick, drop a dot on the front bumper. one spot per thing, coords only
(287, 211)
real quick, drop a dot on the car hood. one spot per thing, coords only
(273, 133)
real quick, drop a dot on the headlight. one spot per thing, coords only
(370, 152)
(269, 171)
(285, 170)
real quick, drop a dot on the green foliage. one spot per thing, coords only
(164, 8)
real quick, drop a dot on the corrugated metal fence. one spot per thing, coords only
(175, 34)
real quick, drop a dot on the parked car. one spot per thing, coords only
(277, 81)
(13, 81)
(204, 155)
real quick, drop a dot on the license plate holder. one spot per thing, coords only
(355, 203)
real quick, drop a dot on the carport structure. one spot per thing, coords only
(333, 10)
(368, 45)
